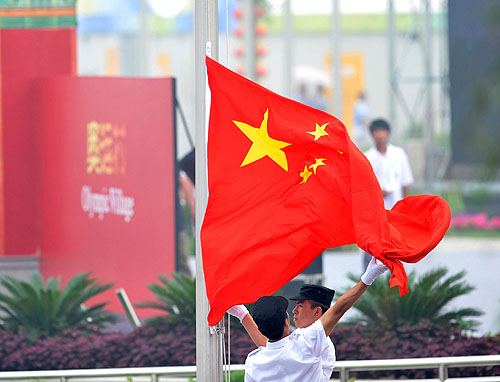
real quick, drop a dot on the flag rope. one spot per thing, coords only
(229, 346)
(225, 362)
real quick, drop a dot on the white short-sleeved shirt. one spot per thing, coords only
(393, 172)
(296, 357)
(328, 360)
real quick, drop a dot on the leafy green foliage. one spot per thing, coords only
(428, 299)
(237, 376)
(176, 297)
(44, 309)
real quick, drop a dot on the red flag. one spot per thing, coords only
(286, 182)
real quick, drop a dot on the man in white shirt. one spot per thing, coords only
(390, 165)
(311, 303)
(297, 356)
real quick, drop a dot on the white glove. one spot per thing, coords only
(239, 311)
(373, 270)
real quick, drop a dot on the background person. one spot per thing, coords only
(390, 165)
(302, 95)
(361, 112)
(319, 100)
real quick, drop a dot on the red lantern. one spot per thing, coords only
(238, 52)
(238, 31)
(261, 50)
(259, 11)
(238, 13)
(260, 30)
(261, 70)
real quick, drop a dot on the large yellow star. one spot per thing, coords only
(305, 174)
(319, 132)
(319, 162)
(262, 144)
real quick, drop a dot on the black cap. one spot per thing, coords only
(269, 313)
(318, 293)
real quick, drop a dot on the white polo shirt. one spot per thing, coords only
(393, 172)
(296, 357)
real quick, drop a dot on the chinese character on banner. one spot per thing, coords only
(106, 149)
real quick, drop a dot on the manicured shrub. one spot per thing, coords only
(154, 345)
(241, 344)
(175, 345)
(417, 341)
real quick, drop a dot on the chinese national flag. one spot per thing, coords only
(286, 182)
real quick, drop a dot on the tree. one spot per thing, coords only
(176, 297)
(44, 309)
(429, 297)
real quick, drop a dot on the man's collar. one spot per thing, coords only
(277, 344)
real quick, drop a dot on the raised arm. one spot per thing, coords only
(241, 312)
(347, 300)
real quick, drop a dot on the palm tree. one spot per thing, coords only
(45, 309)
(428, 298)
(176, 297)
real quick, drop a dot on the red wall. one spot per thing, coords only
(100, 134)
(25, 54)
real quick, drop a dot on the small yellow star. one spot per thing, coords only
(305, 174)
(319, 162)
(319, 132)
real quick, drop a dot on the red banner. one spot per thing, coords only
(25, 54)
(107, 180)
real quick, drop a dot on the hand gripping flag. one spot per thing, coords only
(286, 182)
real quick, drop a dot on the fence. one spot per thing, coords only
(343, 367)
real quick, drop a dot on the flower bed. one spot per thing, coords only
(479, 221)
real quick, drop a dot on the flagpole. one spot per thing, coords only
(336, 61)
(287, 70)
(208, 344)
(249, 37)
